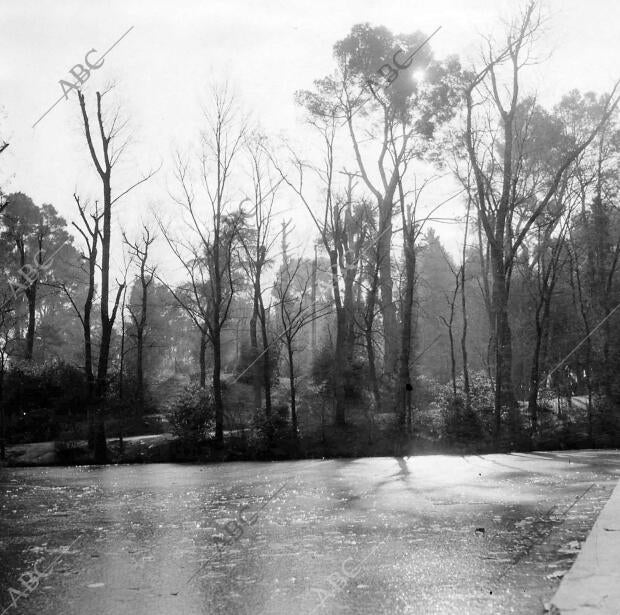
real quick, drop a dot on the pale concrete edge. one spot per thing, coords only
(593, 583)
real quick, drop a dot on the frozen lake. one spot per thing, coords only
(436, 534)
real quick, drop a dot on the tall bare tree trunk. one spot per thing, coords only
(369, 318)
(90, 233)
(202, 359)
(266, 360)
(121, 377)
(140, 250)
(217, 385)
(313, 302)
(31, 296)
(104, 170)
(339, 358)
(532, 401)
(106, 325)
(541, 326)
(466, 385)
(404, 376)
(504, 392)
(388, 307)
(256, 367)
(291, 378)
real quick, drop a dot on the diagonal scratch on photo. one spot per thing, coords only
(310, 308)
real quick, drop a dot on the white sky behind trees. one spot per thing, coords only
(265, 50)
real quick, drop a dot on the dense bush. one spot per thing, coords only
(38, 397)
(193, 416)
(443, 417)
(271, 436)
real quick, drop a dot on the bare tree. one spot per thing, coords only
(90, 232)
(449, 324)
(210, 260)
(104, 164)
(546, 266)
(257, 240)
(292, 289)
(121, 375)
(343, 227)
(139, 250)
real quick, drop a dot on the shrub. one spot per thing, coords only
(37, 395)
(55, 385)
(271, 436)
(445, 417)
(193, 416)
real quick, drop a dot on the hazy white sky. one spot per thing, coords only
(266, 50)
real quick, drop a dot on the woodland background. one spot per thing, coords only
(379, 340)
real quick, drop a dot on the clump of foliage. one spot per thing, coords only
(271, 436)
(40, 398)
(192, 417)
(442, 416)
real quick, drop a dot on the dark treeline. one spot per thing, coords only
(376, 339)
